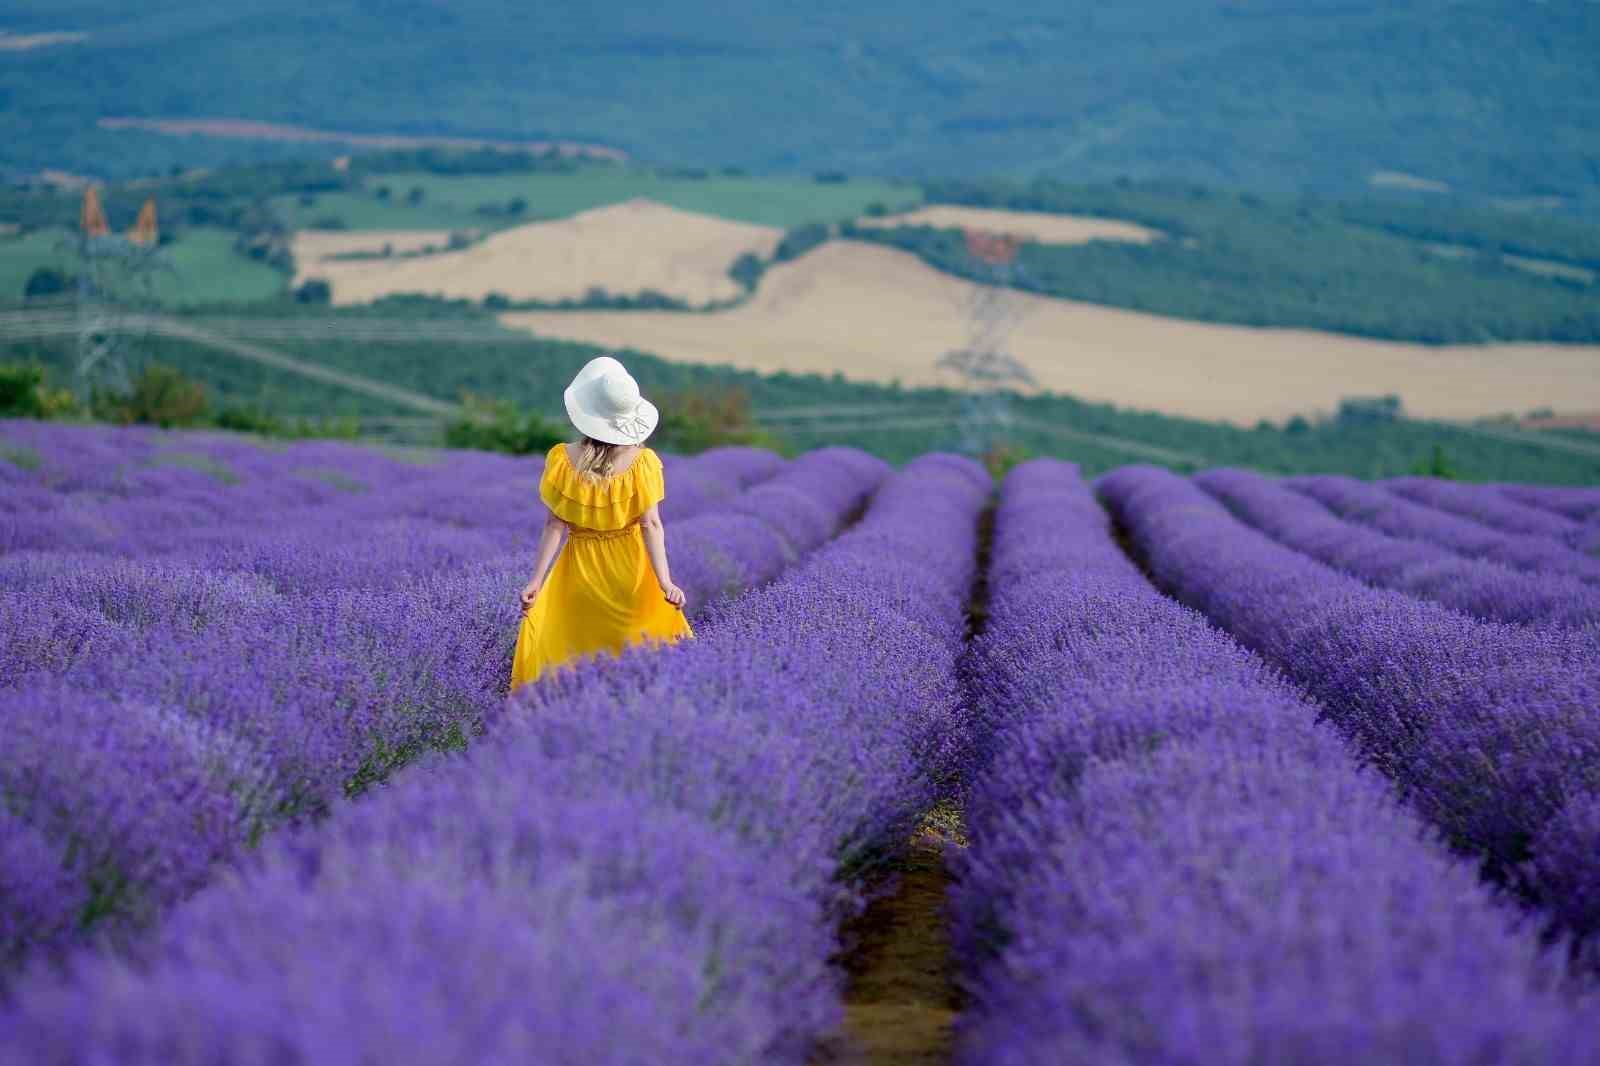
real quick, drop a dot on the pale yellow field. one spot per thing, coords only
(26, 42)
(624, 248)
(311, 246)
(879, 314)
(1029, 225)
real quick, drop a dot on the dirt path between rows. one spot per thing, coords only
(901, 1000)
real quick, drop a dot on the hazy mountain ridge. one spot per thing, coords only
(1281, 96)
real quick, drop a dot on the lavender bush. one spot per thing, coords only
(1368, 504)
(205, 659)
(1482, 503)
(645, 852)
(1489, 729)
(1168, 852)
(1580, 504)
(1476, 587)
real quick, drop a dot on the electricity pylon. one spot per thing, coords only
(986, 368)
(116, 293)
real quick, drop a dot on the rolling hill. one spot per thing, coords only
(1490, 98)
(878, 314)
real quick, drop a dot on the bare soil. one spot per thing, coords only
(1028, 225)
(901, 1001)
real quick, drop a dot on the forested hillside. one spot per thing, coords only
(1316, 94)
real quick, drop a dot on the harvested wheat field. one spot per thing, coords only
(880, 314)
(1028, 225)
(27, 42)
(311, 246)
(624, 248)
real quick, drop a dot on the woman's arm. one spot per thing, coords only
(655, 546)
(549, 545)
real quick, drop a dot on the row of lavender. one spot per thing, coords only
(1560, 589)
(1169, 852)
(163, 712)
(1488, 728)
(642, 861)
(1388, 512)
(1567, 515)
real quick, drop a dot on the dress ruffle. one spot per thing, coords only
(601, 503)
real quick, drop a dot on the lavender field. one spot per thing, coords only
(1244, 770)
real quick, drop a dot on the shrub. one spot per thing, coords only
(1002, 457)
(25, 393)
(800, 240)
(693, 420)
(314, 291)
(161, 395)
(45, 283)
(1436, 464)
(498, 425)
(747, 270)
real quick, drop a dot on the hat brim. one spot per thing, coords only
(601, 429)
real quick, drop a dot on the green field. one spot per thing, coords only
(451, 201)
(1366, 268)
(201, 267)
(472, 355)
(1417, 267)
(21, 255)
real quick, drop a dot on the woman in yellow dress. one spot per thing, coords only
(610, 586)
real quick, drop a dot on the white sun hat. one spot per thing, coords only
(603, 401)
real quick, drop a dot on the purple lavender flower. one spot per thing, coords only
(1476, 587)
(1169, 852)
(1487, 729)
(1483, 504)
(645, 852)
(1360, 501)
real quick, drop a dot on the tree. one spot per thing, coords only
(45, 283)
(1436, 464)
(800, 240)
(747, 270)
(161, 395)
(25, 392)
(314, 291)
(693, 420)
(498, 425)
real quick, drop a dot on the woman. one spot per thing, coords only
(610, 586)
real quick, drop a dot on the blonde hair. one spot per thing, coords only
(596, 458)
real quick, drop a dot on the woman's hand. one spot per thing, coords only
(530, 592)
(673, 594)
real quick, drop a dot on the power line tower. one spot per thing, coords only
(115, 294)
(993, 308)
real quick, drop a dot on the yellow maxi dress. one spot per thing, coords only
(602, 592)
